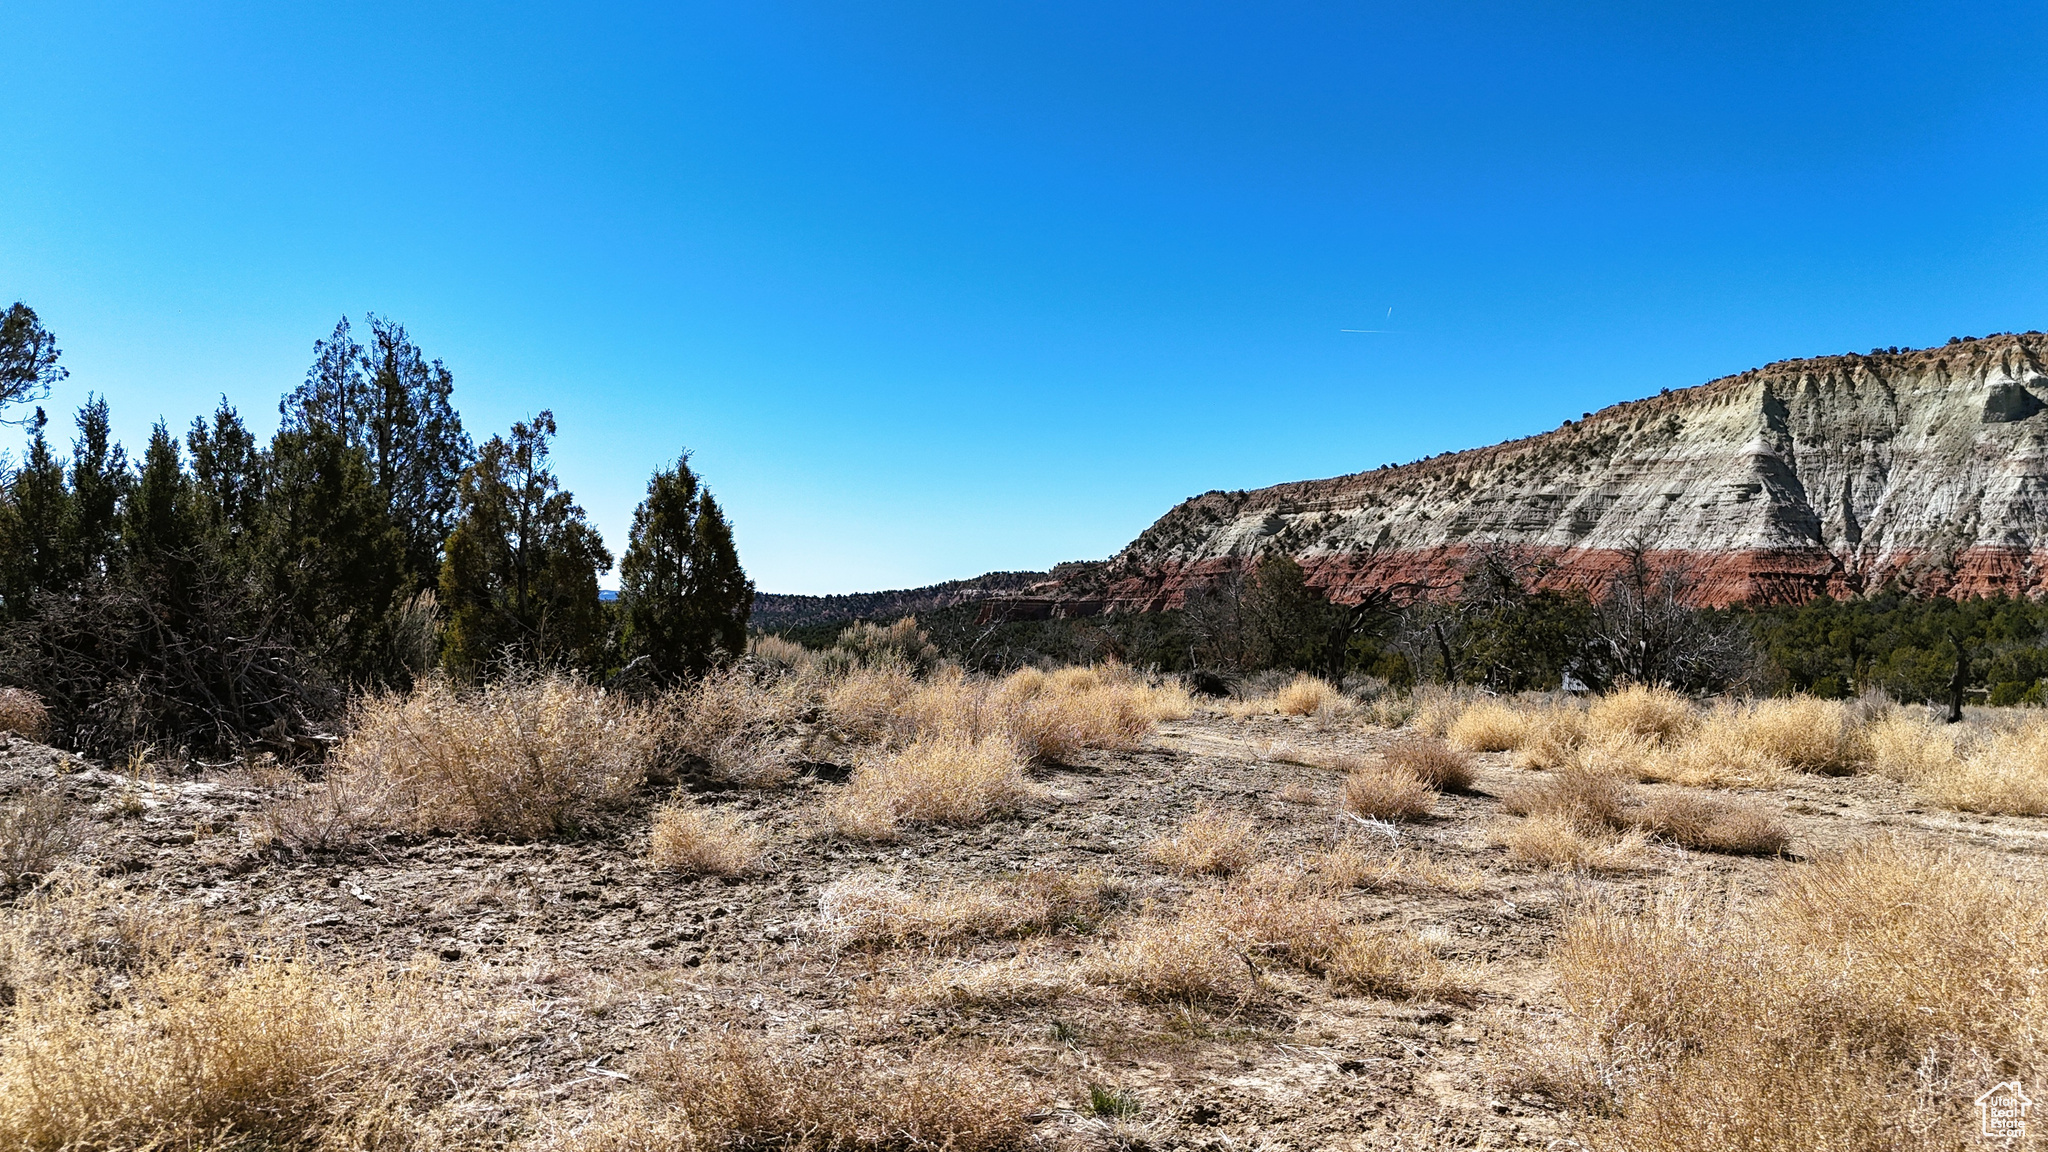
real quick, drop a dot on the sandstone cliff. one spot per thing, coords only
(1833, 474)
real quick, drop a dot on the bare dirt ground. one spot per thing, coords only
(595, 957)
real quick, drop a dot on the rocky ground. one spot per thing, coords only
(592, 957)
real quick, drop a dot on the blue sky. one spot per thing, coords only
(935, 289)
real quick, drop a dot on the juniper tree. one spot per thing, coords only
(390, 401)
(684, 598)
(520, 577)
(35, 517)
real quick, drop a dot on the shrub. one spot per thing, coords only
(1431, 761)
(1877, 991)
(1053, 717)
(1807, 735)
(22, 713)
(732, 722)
(1209, 843)
(941, 780)
(687, 838)
(36, 833)
(1658, 715)
(864, 910)
(135, 1028)
(738, 1091)
(530, 757)
(1551, 840)
(1719, 752)
(1306, 695)
(1393, 964)
(1741, 828)
(1490, 726)
(1384, 792)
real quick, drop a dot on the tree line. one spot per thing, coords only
(1495, 624)
(217, 590)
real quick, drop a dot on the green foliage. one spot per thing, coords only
(28, 357)
(329, 554)
(1906, 645)
(682, 593)
(520, 579)
(391, 403)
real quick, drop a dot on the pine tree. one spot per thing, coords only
(28, 357)
(682, 592)
(520, 577)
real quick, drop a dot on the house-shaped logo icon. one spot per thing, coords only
(2002, 1110)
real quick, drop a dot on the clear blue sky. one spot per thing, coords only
(933, 289)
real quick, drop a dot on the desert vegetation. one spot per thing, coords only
(860, 896)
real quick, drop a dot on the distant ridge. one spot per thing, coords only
(1836, 475)
(776, 610)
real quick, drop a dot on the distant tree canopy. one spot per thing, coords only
(221, 591)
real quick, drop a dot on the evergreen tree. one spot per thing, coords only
(159, 531)
(28, 357)
(331, 554)
(392, 403)
(520, 578)
(99, 480)
(229, 474)
(38, 511)
(683, 594)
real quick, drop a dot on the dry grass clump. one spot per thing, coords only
(36, 833)
(1806, 734)
(1394, 964)
(1710, 824)
(743, 1092)
(1435, 707)
(780, 653)
(1555, 734)
(1657, 715)
(942, 780)
(687, 838)
(1381, 869)
(1216, 946)
(1549, 840)
(871, 912)
(1863, 1005)
(2003, 772)
(22, 713)
(1431, 761)
(1208, 843)
(1051, 716)
(528, 758)
(1490, 726)
(1906, 747)
(1384, 792)
(1307, 695)
(733, 723)
(131, 1027)
(1596, 804)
